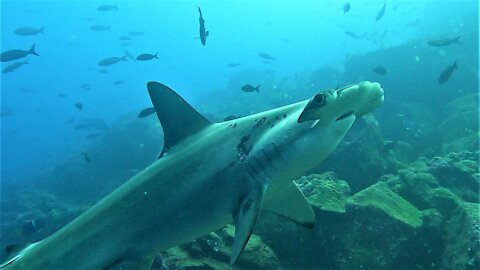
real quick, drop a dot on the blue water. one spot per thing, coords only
(303, 36)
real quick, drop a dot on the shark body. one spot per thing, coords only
(209, 174)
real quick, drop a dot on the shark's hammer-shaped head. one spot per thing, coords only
(319, 124)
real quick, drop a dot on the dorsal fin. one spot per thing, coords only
(178, 119)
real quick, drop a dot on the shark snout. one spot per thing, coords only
(370, 96)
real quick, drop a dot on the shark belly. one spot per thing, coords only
(161, 207)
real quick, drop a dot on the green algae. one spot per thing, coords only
(381, 197)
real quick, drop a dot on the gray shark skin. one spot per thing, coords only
(209, 174)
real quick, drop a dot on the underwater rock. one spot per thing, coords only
(213, 252)
(459, 129)
(382, 198)
(358, 158)
(325, 191)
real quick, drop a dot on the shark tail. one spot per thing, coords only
(258, 88)
(455, 66)
(41, 30)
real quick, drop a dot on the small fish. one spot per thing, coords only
(16, 54)
(126, 44)
(26, 90)
(346, 8)
(146, 112)
(69, 121)
(118, 82)
(250, 88)
(266, 56)
(387, 146)
(85, 85)
(32, 226)
(99, 28)
(107, 7)
(444, 42)
(351, 34)
(203, 33)
(86, 156)
(79, 106)
(13, 66)
(380, 70)
(28, 31)
(125, 38)
(230, 117)
(103, 71)
(381, 12)
(233, 64)
(62, 95)
(5, 112)
(135, 33)
(445, 75)
(111, 60)
(93, 136)
(147, 56)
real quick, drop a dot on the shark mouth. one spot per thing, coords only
(345, 115)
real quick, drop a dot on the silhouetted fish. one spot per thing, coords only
(86, 157)
(111, 60)
(135, 33)
(103, 71)
(146, 112)
(381, 12)
(26, 90)
(99, 28)
(124, 38)
(32, 226)
(444, 42)
(107, 7)
(230, 117)
(266, 56)
(118, 82)
(147, 56)
(346, 8)
(79, 106)
(93, 136)
(28, 31)
(16, 54)
(351, 34)
(250, 88)
(203, 33)
(13, 66)
(230, 65)
(445, 75)
(62, 95)
(380, 70)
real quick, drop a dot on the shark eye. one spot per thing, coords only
(319, 99)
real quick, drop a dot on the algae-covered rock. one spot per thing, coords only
(213, 252)
(460, 125)
(462, 238)
(325, 191)
(380, 197)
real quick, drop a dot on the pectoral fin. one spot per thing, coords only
(291, 203)
(245, 220)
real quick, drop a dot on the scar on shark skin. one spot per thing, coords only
(243, 149)
(259, 123)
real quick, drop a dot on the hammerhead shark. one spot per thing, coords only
(208, 175)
